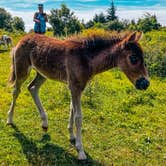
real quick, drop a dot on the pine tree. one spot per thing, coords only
(112, 12)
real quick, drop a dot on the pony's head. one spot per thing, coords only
(131, 61)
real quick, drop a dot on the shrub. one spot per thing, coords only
(154, 45)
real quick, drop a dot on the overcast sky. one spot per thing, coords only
(85, 9)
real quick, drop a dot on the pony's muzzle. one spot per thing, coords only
(142, 83)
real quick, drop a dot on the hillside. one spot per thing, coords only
(121, 125)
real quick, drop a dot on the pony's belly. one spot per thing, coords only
(58, 75)
(53, 73)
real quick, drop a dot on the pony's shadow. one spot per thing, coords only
(2, 51)
(47, 153)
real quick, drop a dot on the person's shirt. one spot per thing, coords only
(40, 27)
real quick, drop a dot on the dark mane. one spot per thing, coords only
(94, 42)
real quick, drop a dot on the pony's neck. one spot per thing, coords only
(105, 60)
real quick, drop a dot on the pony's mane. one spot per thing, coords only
(94, 41)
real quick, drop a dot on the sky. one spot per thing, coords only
(85, 9)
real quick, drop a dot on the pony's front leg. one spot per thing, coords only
(76, 97)
(71, 123)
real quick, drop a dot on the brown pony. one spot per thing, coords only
(74, 61)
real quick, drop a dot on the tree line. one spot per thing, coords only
(65, 22)
(9, 23)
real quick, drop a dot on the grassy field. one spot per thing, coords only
(121, 126)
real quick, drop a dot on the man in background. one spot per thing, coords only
(40, 19)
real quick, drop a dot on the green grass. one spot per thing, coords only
(121, 126)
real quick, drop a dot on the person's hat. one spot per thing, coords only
(40, 5)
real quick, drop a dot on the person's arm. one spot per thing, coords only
(35, 19)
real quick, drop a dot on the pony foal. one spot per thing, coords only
(74, 61)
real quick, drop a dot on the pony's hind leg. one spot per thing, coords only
(20, 77)
(34, 89)
(16, 92)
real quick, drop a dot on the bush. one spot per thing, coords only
(145, 24)
(115, 25)
(154, 45)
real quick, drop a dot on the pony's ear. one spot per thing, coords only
(139, 36)
(134, 37)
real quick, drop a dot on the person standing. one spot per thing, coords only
(40, 19)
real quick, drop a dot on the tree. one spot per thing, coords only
(64, 21)
(111, 12)
(89, 24)
(148, 23)
(5, 20)
(8, 23)
(18, 23)
(132, 25)
(99, 18)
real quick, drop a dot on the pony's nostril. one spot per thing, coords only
(142, 83)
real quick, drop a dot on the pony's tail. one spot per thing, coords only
(12, 76)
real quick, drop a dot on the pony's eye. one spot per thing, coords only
(133, 59)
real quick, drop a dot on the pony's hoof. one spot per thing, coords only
(10, 124)
(72, 141)
(82, 156)
(45, 128)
